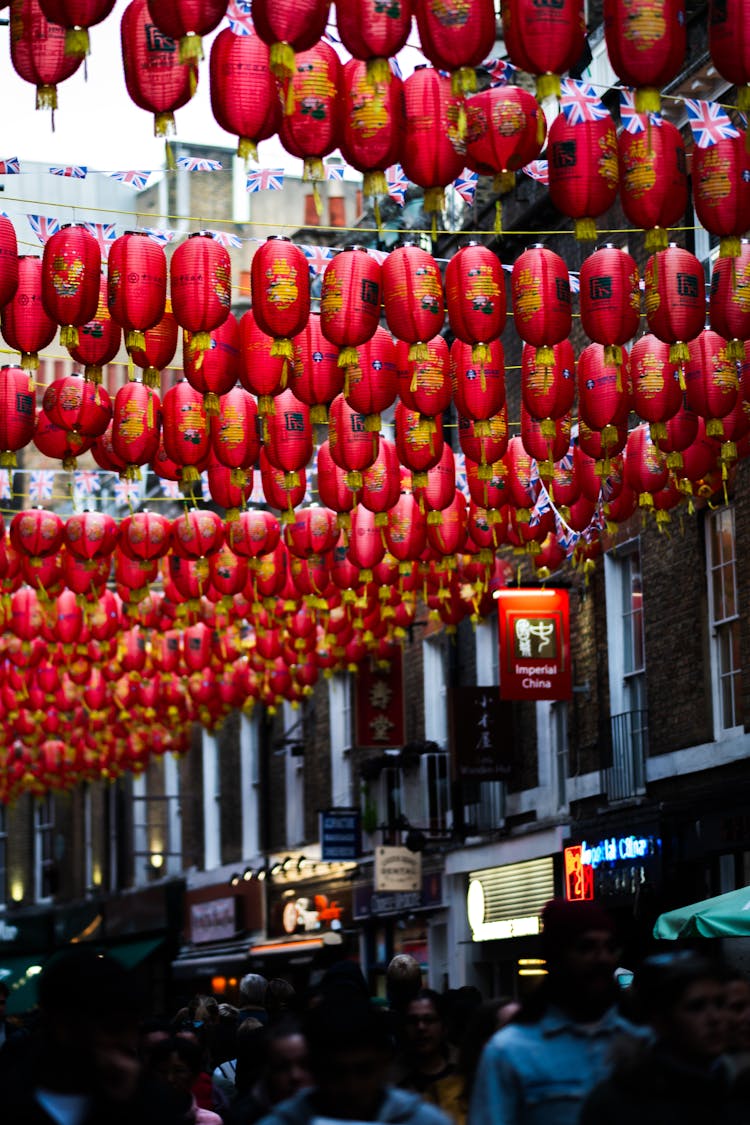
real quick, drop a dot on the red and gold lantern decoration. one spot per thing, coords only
(136, 422)
(424, 385)
(186, 433)
(371, 383)
(646, 46)
(406, 533)
(315, 377)
(352, 446)
(419, 442)
(280, 281)
(381, 482)
(254, 533)
(145, 536)
(310, 126)
(413, 297)
(76, 16)
(81, 407)
(282, 490)
(366, 547)
(711, 382)
(17, 413)
(244, 99)
(373, 33)
(546, 446)
(431, 154)
(235, 434)
(729, 301)
(436, 494)
(91, 535)
(610, 299)
(371, 122)
(675, 298)
(548, 390)
(136, 286)
(98, 340)
(289, 437)
(197, 534)
(540, 291)
(653, 177)
(475, 297)
(58, 443)
(26, 325)
(333, 490)
(350, 300)
(729, 44)
(261, 373)
(522, 487)
(156, 79)
(159, 348)
(36, 535)
(187, 21)
(214, 371)
(484, 442)
(71, 270)
(200, 277)
(457, 37)
(721, 190)
(544, 40)
(8, 260)
(657, 395)
(229, 489)
(478, 386)
(583, 169)
(312, 532)
(37, 51)
(288, 26)
(646, 469)
(603, 394)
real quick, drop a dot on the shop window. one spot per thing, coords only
(724, 620)
(3, 855)
(625, 739)
(434, 788)
(336, 211)
(312, 218)
(435, 692)
(44, 838)
(340, 723)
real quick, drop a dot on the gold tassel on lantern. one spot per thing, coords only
(164, 126)
(77, 42)
(69, 336)
(372, 423)
(658, 431)
(135, 339)
(678, 353)
(498, 217)
(547, 86)
(191, 48)
(354, 480)
(211, 403)
(715, 428)
(247, 149)
(730, 246)
(585, 230)
(378, 72)
(647, 100)
(282, 60)
(319, 414)
(348, 357)
(29, 361)
(656, 239)
(46, 97)
(417, 353)
(238, 478)
(151, 377)
(545, 355)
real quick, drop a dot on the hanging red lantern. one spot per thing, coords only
(229, 491)
(721, 190)
(156, 80)
(186, 432)
(59, 443)
(17, 413)
(8, 261)
(280, 281)
(610, 299)
(522, 487)
(447, 534)
(431, 153)
(351, 445)
(543, 40)
(81, 407)
(419, 442)
(76, 16)
(424, 385)
(261, 372)
(289, 436)
(544, 445)
(478, 386)
(228, 572)
(729, 302)
(197, 534)
(145, 536)
(371, 121)
(159, 348)
(187, 21)
(646, 48)
(98, 340)
(371, 384)
(333, 490)
(653, 177)
(484, 443)
(214, 371)
(603, 395)
(548, 390)
(350, 300)
(310, 125)
(104, 454)
(475, 296)
(381, 482)
(682, 430)
(374, 33)
(243, 90)
(26, 325)
(255, 533)
(315, 376)
(583, 170)
(136, 422)
(200, 278)
(657, 394)
(540, 291)
(37, 534)
(136, 285)
(37, 51)
(288, 26)
(711, 383)
(602, 445)
(413, 297)
(438, 491)
(406, 533)
(282, 490)
(235, 437)
(71, 269)
(675, 298)
(313, 532)
(729, 44)
(646, 469)
(456, 37)
(487, 485)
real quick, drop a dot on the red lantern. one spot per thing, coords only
(456, 37)
(229, 490)
(313, 532)
(78, 406)
(17, 413)
(214, 371)
(729, 44)
(351, 445)
(682, 430)
(350, 300)
(413, 297)
(475, 296)
(544, 445)
(104, 454)
(98, 340)
(431, 154)
(371, 383)
(583, 170)
(145, 536)
(646, 48)
(657, 394)
(721, 190)
(136, 285)
(280, 282)
(37, 51)
(289, 440)
(186, 434)
(76, 16)
(653, 178)
(374, 33)
(419, 442)
(255, 533)
(316, 377)
(200, 277)
(136, 422)
(58, 443)
(540, 290)
(187, 21)
(610, 299)
(646, 469)
(155, 78)
(333, 490)
(310, 126)
(159, 348)
(372, 116)
(406, 533)
(522, 489)
(675, 298)
(447, 534)
(197, 534)
(71, 269)
(8, 260)
(261, 372)
(425, 385)
(235, 438)
(282, 490)
(438, 491)
(711, 383)
(544, 40)
(228, 572)
(478, 386)
(602, 445)
(729, 302)
(548, 390)
(505, 131)
(37, 533)
(25, 323)
(288, 26)
(381, 483)
(243, 90)
(484, 442)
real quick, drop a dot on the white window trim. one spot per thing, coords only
(720, 732)
(435, 682)
(250, 785)
(487, 654)
(341, 733)
(294, 768)
(48, 826)
(211, 801)
(173, 843)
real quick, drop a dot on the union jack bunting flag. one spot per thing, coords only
(6, 485)
(566, 537)
(575, 282)
(126, 491)
(134, 179)
(397, 183)
(157, 234)
(10, 167)
(86, 482)
(318, 258)
(580, 102)
(224, 238)
(170, 488)
(709, 123)
(198, 164)
(538, 170)
(633, 122)
(43, 226)
(501, 72)
(542, 506)
(379, 255)
(105, 234)
(335, 171)
(462, 484)
(466, 185)
(239, 14)
(74, 171)
(265, 179)
(41, 484)
(257, 496)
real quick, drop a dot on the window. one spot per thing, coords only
(435, 792)
(44, 839)
(488, 657)
(294, 763)
(340, 724)
(3, 855)
(391, 805)
(724, 620)
(559, 733)
(435, 693)
(250, 781)
(626, 739)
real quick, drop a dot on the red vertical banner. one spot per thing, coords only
(380, 704)
(534, 634)
(579, 876)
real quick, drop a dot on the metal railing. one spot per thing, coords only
(624, 747)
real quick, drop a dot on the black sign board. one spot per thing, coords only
(340, 834)
(482, 728)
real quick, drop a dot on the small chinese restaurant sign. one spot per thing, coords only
(380, 704)
(482, 734)
(534, 633)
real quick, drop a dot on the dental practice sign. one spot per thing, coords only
(534, 636)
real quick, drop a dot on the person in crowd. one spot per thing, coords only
(460, 1005)
(152, 1031)
(280, 998)
(539, 1069)
(284, 1071)
(679, 1077)
(349, 1054)
(486, 1020)
(738, 1024)
(177, 1063)
(82, 1067)
(224, 1051)
(207, 1093)
(253, 992)
(250, 1044)
(429, 1069)
(403, 980)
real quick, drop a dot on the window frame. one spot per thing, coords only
(727, 625)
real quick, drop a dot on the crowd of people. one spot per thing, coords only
(674, 1046)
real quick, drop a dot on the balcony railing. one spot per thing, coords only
(624, 746)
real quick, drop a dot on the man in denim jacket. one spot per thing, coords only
(539, 1069)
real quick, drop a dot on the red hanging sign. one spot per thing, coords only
(380, 704)
(534, 638)
(579, 876)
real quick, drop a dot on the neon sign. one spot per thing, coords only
(619, 849)
(579, 876)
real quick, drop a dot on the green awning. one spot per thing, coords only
(14, 971)
(723, 916)
(132, 953)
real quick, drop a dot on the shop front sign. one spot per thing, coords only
(379, 717)
(397, 869)
(369, 903)
(534, 637)
(507, 902)
(304, 910)
(614, 866)
(213, 921)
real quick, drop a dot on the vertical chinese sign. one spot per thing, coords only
(481, 734)
(579, 876)
(380, 704)
(534, 634)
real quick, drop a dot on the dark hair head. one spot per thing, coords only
(80, 984)
(437, 1001)
(336, 1025)
(189, 1052)
(663, 979)
(564, 922)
